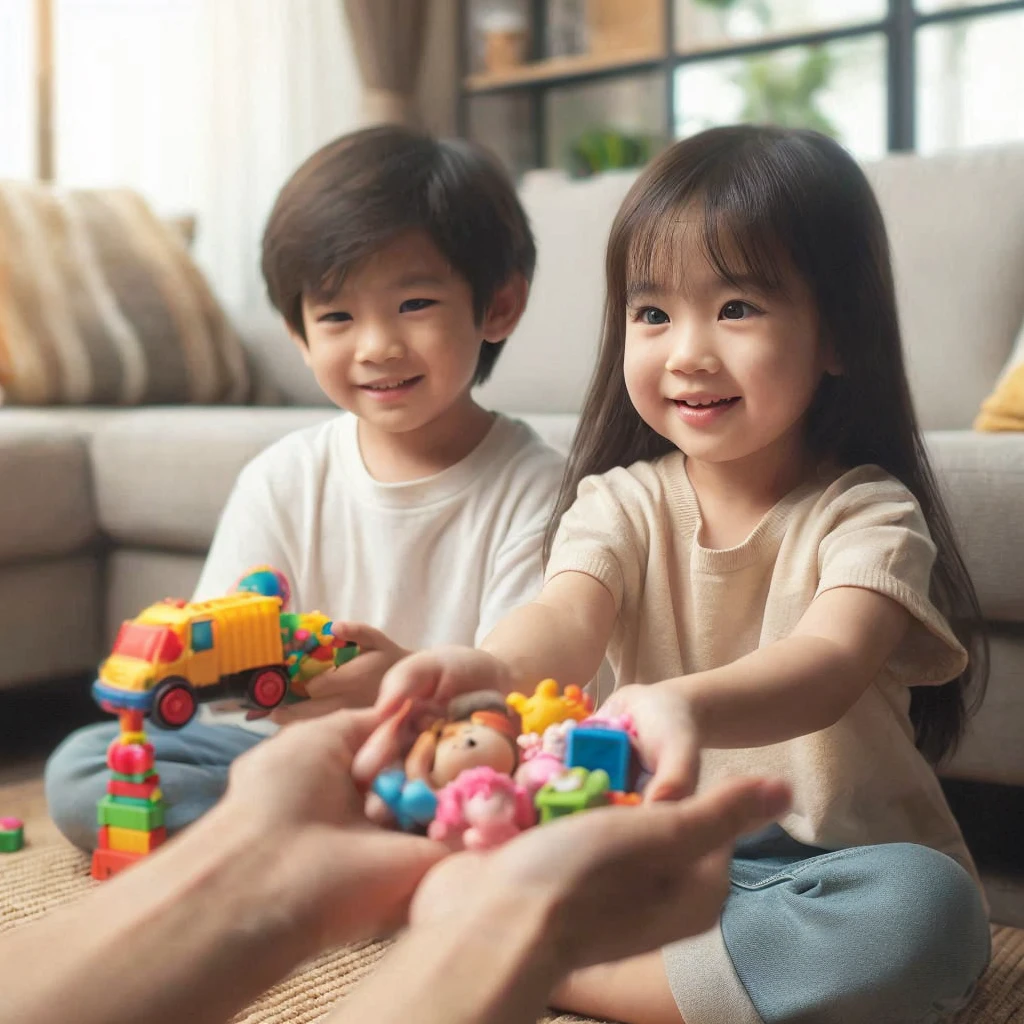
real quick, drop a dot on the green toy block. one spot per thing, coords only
(114, 811)
(576, 790)
(137, 777)
(135, 801)
(12, 835)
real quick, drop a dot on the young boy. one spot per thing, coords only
(400, 265)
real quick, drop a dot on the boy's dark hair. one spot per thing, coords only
(354, 196)
(766, 197)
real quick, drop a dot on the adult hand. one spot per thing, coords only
(614, 882)
(344, 877)
(666, 737)
(352, 685)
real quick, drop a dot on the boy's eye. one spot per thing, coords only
(337, 317)
(651, 315)
(737, 310)
(415, 305)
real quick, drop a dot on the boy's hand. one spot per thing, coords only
(666, 737)
(352, 685)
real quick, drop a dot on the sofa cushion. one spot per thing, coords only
(100, 302)
(47, 506)
(161, 476)
(982, 480)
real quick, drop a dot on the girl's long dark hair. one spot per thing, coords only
(769, 195)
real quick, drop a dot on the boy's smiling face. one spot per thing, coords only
(398, 344)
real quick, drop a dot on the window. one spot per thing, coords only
(202, 636)
(877, 75)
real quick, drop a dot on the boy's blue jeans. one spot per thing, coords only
(192, 763)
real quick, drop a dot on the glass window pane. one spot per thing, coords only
(502, 124)
(970, 82)
(701, 24)
(607, 124)
(838, 89)
(931, 6)
(17, 89)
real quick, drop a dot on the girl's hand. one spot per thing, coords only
(340, 877)
(419, 688)
(439, 674)
(614, 882)
(355, 684)
(666, 737)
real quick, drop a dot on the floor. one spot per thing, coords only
(34, 720)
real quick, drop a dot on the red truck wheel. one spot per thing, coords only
(174, 704)
(267, 687)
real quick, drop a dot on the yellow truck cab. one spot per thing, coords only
(177, 654)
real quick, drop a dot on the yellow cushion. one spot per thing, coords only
(1004, 408)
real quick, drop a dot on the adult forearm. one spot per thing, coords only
(491, 967)
(191, 934)
(790, 688)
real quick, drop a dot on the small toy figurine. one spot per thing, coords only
(480, 729)
(546, 707)
(576, 790)
(411, 801)
(481, 809)
(310, 648)
(542, 758)
(12, 835)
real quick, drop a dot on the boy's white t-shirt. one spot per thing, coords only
(434, 561)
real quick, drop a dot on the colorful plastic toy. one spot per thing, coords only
(601, 748)
(243, 647)
(12, 835)
(576, 790)
(542, 758)
(548, 707)
(480, 729)
(131, 815)
(411, 801)
(481, 809)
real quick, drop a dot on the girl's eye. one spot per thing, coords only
(737, 310)
(651, 315)
(415, 305)
(337, 317)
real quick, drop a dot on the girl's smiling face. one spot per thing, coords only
(724, 370)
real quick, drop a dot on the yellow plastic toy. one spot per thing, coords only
(548, 707)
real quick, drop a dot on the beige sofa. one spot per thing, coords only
(102, 511)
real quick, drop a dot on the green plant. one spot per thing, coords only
(778, 93)
(607, 149)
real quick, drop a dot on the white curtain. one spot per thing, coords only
(17, 90)
(205, 106)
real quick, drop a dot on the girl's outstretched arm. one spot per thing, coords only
(798, 685)
(561, 635)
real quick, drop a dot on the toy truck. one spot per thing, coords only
(178, 654)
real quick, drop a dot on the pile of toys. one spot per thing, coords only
(131, 815)
(494, 767)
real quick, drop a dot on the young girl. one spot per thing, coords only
(750, 530)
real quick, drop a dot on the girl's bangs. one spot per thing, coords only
(734, 230)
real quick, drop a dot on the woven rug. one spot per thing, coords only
(48, 873)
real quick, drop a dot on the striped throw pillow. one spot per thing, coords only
(101, 304)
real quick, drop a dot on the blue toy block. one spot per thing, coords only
(606, 749)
